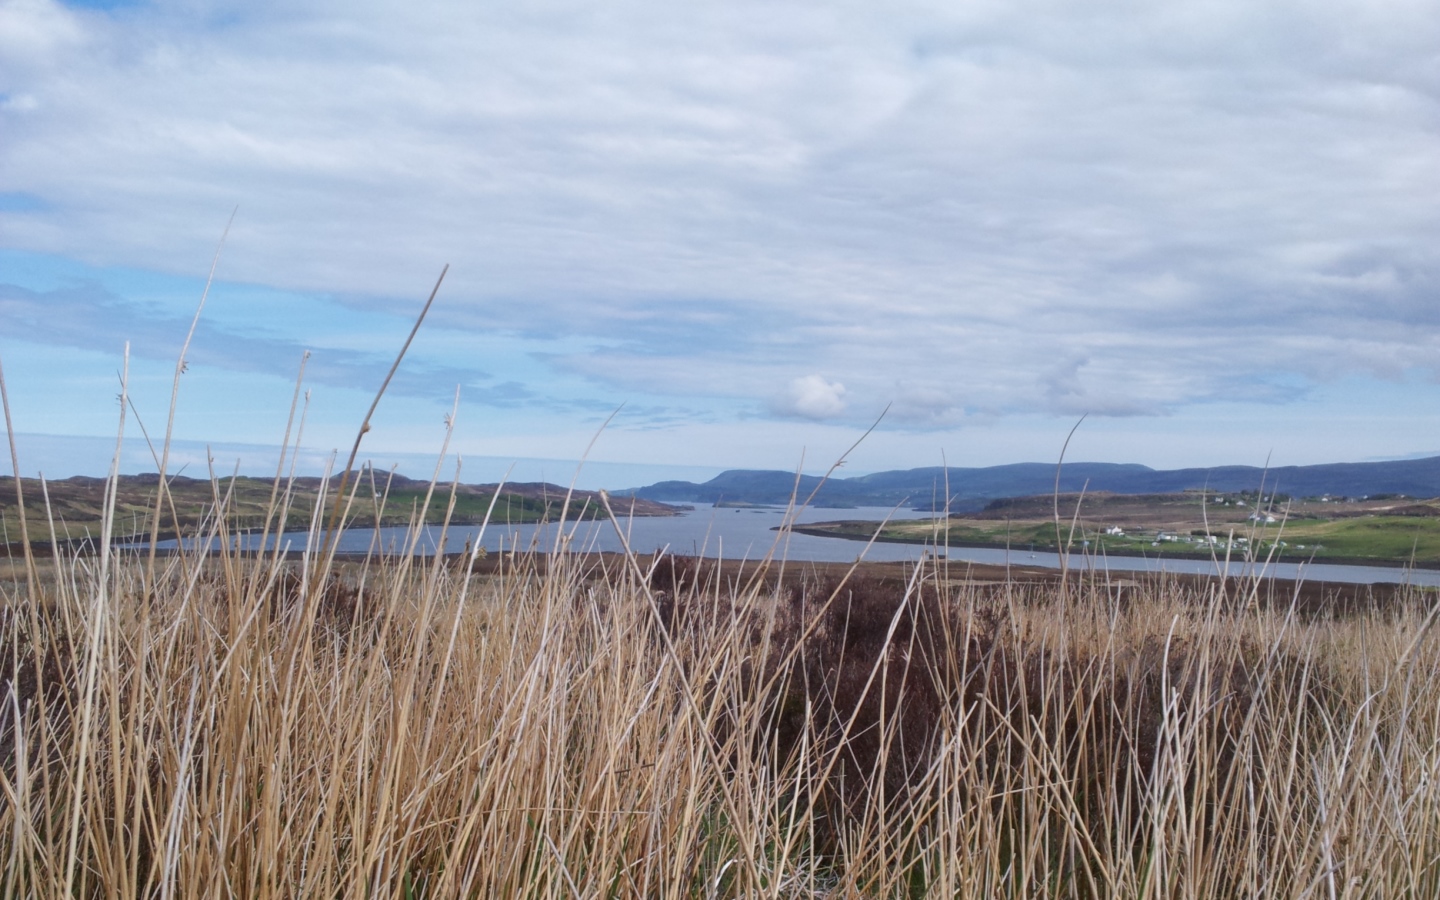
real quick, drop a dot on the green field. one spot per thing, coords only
(1164, 525)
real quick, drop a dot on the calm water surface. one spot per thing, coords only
(750, 534)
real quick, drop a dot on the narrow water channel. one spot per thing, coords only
(750, 534)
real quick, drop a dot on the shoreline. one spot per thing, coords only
(44, 549)
(1308, 596)
(812, 531)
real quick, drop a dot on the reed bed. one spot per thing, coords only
(240, 724)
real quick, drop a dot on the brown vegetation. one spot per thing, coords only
(612, 726)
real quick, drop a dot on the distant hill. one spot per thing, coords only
(77, 505)
(971, 488)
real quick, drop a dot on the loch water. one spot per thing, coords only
(750, 534)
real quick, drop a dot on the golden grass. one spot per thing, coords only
(401, 728)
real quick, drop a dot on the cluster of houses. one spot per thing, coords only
(1206, 540)
(1260, 516)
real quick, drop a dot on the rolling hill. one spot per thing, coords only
(971, 488)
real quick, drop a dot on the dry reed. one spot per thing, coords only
(405, 727)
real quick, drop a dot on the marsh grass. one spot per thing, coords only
(618, 727)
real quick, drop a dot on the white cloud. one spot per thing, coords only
(33, 33)
(812, 397)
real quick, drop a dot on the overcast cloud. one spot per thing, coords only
(724, 211)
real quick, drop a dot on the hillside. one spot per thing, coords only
(75, 504)
(969, 489)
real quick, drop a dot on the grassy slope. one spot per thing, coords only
(1380, 537)
(76, 504)
(1351, 534)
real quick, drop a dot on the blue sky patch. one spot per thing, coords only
(19, 201)
(104, 5)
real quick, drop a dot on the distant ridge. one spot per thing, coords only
(971, 488)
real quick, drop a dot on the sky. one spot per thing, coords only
(739, 232)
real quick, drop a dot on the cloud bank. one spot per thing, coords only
(972, 211)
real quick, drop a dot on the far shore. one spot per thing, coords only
(820, 531)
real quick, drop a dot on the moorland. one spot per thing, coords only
(251, 724)
(220, 724)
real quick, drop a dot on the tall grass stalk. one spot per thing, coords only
(19, 489)
(181, 366)
(332, 529)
